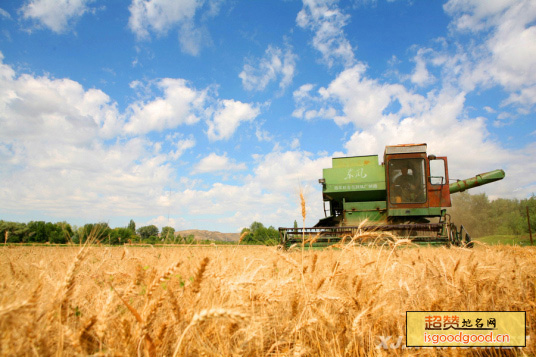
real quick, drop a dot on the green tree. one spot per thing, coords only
(132, 226)
(96, 231)
(257, 233)
(168, 234)
(66, 230)
(37, 232)
(147, 231)
(190, 239)
(54, 233)
(482, 217)
(120, 235)
(14, 232)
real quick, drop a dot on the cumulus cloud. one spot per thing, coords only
(57, 15)
(276, 63)
(327, 21)
(162, 221)
(57, 156)
(354, 98)
(421, 76)
(38, 107)
(506, 55)
(228, 116)
(180, 104)
(217, 163)
(525, 97)
(263, 135)
(161, 16)
(192, 38)
(182, 146)
(271, 194)
(476, 15)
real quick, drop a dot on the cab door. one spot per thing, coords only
(438, 182)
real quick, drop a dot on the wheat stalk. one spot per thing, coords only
(66, 289)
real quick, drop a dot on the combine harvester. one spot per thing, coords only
(405, 196)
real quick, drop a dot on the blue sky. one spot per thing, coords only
(211, 114)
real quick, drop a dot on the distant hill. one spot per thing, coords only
(211, 235)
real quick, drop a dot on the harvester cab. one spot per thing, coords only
(407, 195)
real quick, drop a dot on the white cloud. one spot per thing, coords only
(192, 38)
(217, 163)
(302, 97)
(57, 15)
(421, 76)
(228, 116)
(476, 15)
(179, 105)
(263, 135)
(526, 97)
(35, 107)
(507, 54)
(275, 63)
(284, 172)
(270, 195)
(161, 16)
(182, 146)
(354, 98)
(326, 20)
(489, 109)
(162, 221)
(5, 14)
(58, 160)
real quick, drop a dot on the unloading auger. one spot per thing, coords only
(406, 196)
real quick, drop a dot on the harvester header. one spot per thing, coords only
(407, 195)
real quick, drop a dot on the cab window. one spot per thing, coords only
(407, 181)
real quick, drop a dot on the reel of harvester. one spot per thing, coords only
(370, 203)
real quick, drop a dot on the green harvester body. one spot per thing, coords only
(406, 195)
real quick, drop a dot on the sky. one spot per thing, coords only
(212, 114)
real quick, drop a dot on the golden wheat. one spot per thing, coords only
(250, 300)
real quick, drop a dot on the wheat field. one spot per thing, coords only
(249, 301)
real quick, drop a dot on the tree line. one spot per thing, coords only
(484, 217)
(63, 233)
(257, 233)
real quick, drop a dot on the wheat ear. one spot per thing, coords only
(196, 285)
(162, 278)
(66, 289)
